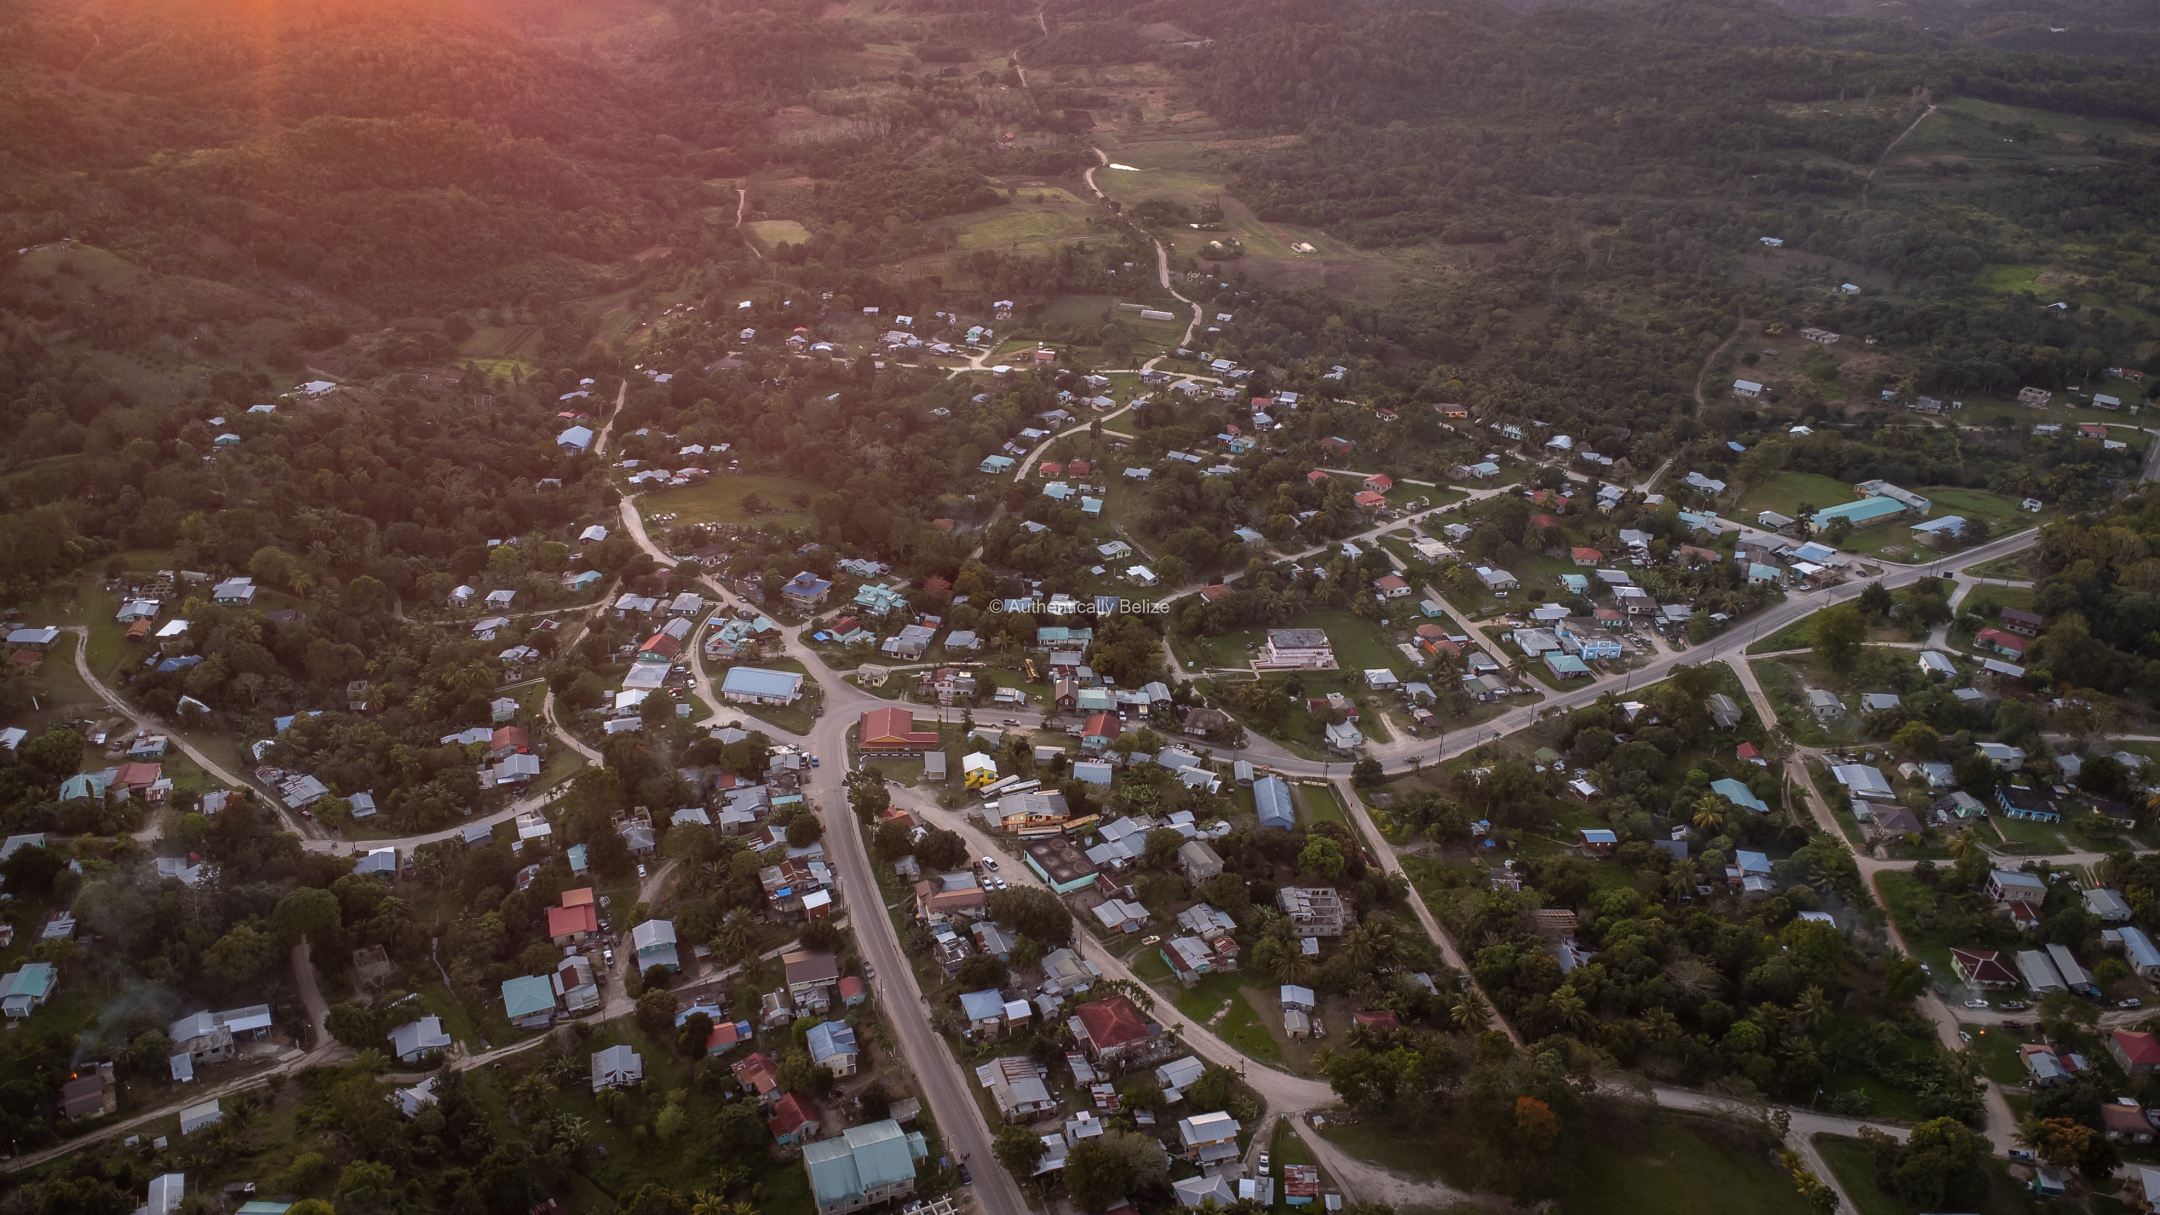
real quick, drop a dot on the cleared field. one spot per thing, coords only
(1630, 1161)
(752, 499)
(2003, 514)
(1042, 218)
(518, 342)
(1854, 1164)
(1359, 645)
(1786, 492)
(770, 234)
(1091, 311)
(2064, 128)
(1200, 190)
(1182, 168)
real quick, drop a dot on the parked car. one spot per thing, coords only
(2132, 1002)
(1976, 1003)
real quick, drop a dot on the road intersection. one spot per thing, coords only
(947, 1088)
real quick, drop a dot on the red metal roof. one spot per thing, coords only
(562, 921)
(1113, 1022)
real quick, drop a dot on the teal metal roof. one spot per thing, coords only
(1858, 511)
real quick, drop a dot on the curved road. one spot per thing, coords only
(143, 721)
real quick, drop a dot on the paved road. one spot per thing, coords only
(1162, 252)
(1363, 1181)
(1948, 1022)
(1282, 1091)
(944, 1082)
(325, 1051)
(144, 721)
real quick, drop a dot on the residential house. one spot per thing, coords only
(2106, 905)
(2039, 973)
(2137, 1052)
(832, 1046)
(1199, 861)
(2012, 886)
(573, 924)
(1208, 1139)
(864, 1166)
(1017, 1088)
(757, 686)
(617, 1066)
(893, 730)
(983, 1013)
(1314, 911)
(2125, 1122)
(805, 590)
(1121, 916)
(1272, 803)
(654, 941)
(794, 1120)
(2138, 950)
(810, 976)
(1983, 969)
(529, 1001)
(90, 1093)
(1296, 649)
(1111, 1030)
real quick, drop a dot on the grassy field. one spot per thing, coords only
(502, 342)
(769, 234)
(1900, 892)
(1854, 1165)
(1676, 1165)
(1318, 804)
(721, 499)
(2004, 515)
(1359, 645)
(1041, 218)
(1786, 492)
(1630, 1162)
(1227, 994)
(1288, 1147)
(1087, 312)
(796, 718)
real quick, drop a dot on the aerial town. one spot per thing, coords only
(1048, 672)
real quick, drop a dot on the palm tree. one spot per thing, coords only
(1709, 815)
(1568, 1008)
(1295, 967)
(1470, 1010)
(732, 941)
(1660, 1025)
(1962, 844)
(1373, 946)
(1812, 1006)
(570, 1134)
(1680, 883)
